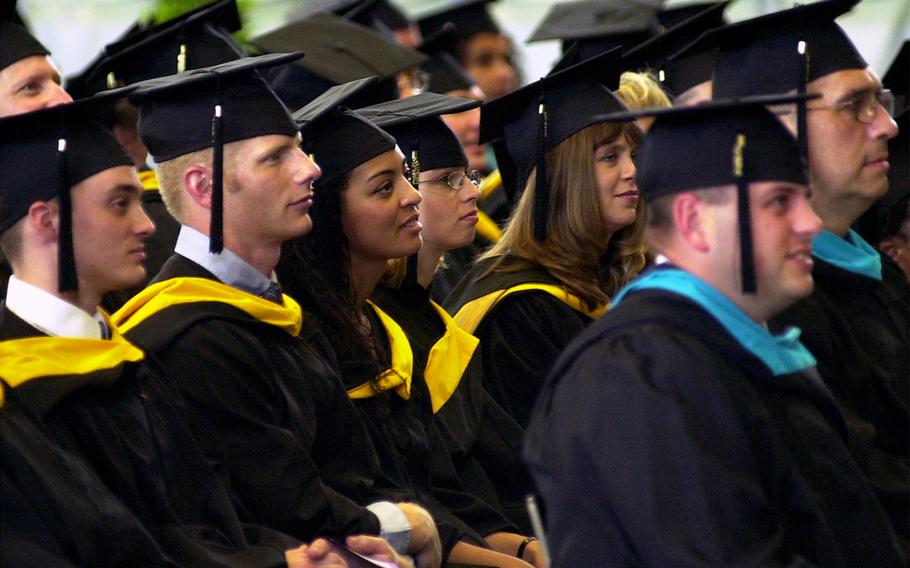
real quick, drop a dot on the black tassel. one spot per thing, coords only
(67, 280)
(541, 187)
(216, 235)
(802, 135)
(747, 260)
(415, 157)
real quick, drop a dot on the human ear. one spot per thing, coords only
(197, 181)
(691, 215)
(44, 220)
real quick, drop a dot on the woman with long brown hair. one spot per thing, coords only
(574, 238)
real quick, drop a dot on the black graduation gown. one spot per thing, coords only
(269, 411)
(158, 248)
(859, 331)
(660, 441)
(521, 337)
(123, 420)
(5, 272)
(458, 262)
(483, 440)
(54, 510)
(414, 452)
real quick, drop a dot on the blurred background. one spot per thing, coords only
(76, 30)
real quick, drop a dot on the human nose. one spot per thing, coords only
(806, 221)
(883, 125)
(629, 170)
(504, 70)
(308, 171)
(57, 96)
(411, 196)
(470, 188)
(144, 227)
(473, 120)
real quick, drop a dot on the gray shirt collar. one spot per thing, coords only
(227, 266)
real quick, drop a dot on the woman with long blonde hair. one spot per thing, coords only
(573, 240)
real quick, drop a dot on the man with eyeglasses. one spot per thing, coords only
(856, 321)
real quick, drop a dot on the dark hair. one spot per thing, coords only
(314, 270)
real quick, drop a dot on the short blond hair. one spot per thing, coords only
(170, 179)
(170, 175)
(641, 90)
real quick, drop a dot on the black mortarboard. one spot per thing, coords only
(691, 65)
(207, 108)
(199, 38)
(598, 25)
(759, 56)
(470, 18)
(675, 15)
(338, 51)
(715, 144)
(9, 13)
(781, 52)
(444, 72)
(571, 55)
(93, 78)
(898, 76)
(46, 152)
(16, 44)
(339, 139)
(654, 53)
(536, 118)
(367, 13)
(425, 140)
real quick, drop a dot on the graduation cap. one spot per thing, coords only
(391, 15)
(691, 65)
(470, 18)
(445, 74)
(46, 152)
(425, 140)
(760, 55)
(17, 44)
(92, 78)
(898, 76)
(338, 51)
(714, 144)
(598, 25)
(655, 53)
(337, 138)
(781, 52)
(380, 15)
(675, 15)
(207, 108)
(199, 38)
(536, 118)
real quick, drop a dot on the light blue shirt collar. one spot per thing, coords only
(782, 354)
(852, 254)
(227, 266)
(50, 314)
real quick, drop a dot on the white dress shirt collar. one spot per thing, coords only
(51, 314)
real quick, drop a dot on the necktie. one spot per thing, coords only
(273, 293)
